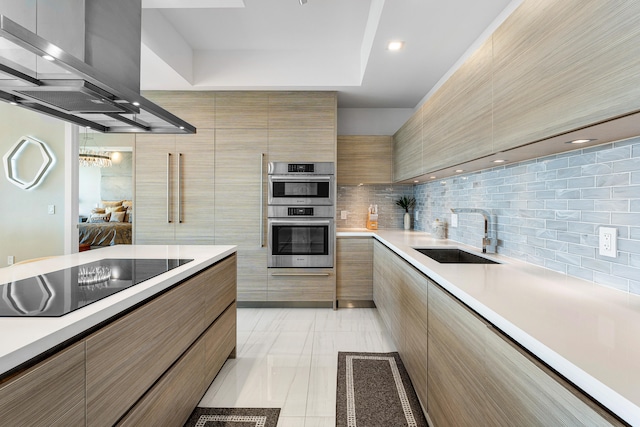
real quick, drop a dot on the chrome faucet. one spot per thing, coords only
(488, 244)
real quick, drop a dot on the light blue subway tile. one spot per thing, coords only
(613, 180)
(581, 227)
(581, 273)
(517, 169)
(634, 261)
(630, 165)
(589, 240)
(625, 142)
(527, 195)
(611, 205)
(568, 194)
(535, 167)
(526, 231)
(629, 245)
(634, 287)
(556, 225)
(612, 154)
(555, 265)
(518, 204)
(581, 205)
(596, 217)
(611, 281)
(558, 163)
(634, 205)
(556, 204)
(536, 223)
(546, 234)
(582, 182)
(634, 233)
(534, 241)
(568, 215)
(597, 148)
(535, 204)
(569, 237)
(557, 246)
(596, 265)
(626, 272)
(582, 159)
(545, 214)
(627, 192)
(557, 184)
(546, 194)
(596, 169)
(635, 150)
(596, 193)
(585, 251)
(536, 185)
(632, 219)
(532, 259)
(622, 258)
(546, 175)
(572, 172)
(570, 259)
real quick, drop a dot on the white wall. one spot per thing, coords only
(371, 121)
(26, 230)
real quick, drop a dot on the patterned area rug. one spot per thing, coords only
(374, 389)
(233, 417)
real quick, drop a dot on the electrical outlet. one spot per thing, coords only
(11, 260)
(343, 214)
(51, 210)
(454, 220)
(608, 242)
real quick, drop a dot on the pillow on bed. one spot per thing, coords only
(110, 209)
(117, 216)
(96, 217)
(110, 203)
(98, 211)
(127, 204)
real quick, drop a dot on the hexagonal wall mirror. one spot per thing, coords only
(17, 171)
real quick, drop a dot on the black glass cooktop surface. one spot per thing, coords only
(60, 292)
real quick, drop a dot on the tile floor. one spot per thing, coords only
(288, 358)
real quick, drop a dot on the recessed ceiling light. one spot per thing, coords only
(499, 161)
(181, 127)
(395, 45)
(579, 141)
(416, 181)
(136, 103)
(13, 103)
(48, 57)
(459, 170)
(432, 177)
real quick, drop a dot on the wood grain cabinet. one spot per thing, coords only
(49, 394)
(560, 66)
(407, 149)
(354, 269)
(364, 159)
(466, 372)
(174, 192)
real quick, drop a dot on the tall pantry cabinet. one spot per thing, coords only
(222, 191)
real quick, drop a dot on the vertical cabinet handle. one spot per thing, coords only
(180, 187)
(169, 188)
(261, 219)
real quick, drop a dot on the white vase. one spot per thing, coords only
(407, 221)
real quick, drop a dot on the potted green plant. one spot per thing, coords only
(406, 203)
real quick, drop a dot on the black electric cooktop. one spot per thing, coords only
(60, 292)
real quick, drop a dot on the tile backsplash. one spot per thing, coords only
(548, 211)
(356, 200)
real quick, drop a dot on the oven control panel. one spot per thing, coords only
(300, 212)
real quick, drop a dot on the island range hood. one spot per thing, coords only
(79, 61)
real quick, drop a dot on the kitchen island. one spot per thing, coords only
(586, 332)
(115, 360)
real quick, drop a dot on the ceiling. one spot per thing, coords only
(322, 45)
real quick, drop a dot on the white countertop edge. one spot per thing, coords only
(80, 320)
(608, 397)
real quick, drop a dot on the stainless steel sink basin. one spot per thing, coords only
(454, 256)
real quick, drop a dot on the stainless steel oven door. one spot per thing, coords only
(301, 242)
(317, 190)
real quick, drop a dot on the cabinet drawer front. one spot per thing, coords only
(219, 283)
(126, 357)
(293, 284)
(219, 343)
(50, 393)
(354, 269)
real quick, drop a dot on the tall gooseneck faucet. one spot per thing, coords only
(488, 244)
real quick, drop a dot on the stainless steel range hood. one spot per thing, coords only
(79, 61)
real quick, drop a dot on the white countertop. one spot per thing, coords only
(587, 332)
(22, 338)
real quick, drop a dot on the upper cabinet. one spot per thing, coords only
(365, 159)
(407, 149)
(552, 67)
(457, 119)
(563, 65)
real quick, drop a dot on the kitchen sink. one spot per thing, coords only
(454, 256)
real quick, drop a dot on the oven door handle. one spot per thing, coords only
(300, 222)
(306, 178)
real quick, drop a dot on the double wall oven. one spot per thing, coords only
(301, 215)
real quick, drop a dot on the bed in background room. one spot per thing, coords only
(107, 225)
